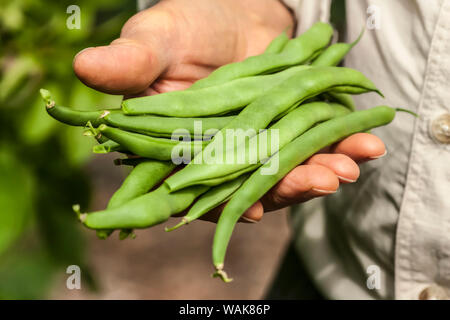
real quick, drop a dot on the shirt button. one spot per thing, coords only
(433, 292)
(440, 128)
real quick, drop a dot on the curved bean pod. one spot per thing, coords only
(351, 90)
(210, 200)
(296, 51)
(289, 127)
(280, 99)
(277, 44)
(142, 212)
(165, 126)
(149, 147)
(334, 54)
(218, 100)
(290, 156)
(139, 181)
(70, 116)
(342, 98)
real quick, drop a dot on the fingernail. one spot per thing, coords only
(380, 156)
(80, 53)
(248, 219)
(324, 191)
(346, 180)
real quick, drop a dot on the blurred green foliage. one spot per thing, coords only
(41, 161)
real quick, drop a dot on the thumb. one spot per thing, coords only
(126, 66)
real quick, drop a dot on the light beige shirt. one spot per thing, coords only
(388, 235)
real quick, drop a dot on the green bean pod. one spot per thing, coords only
(332, 56)
(210, 200)
(342, 98)
(217, 100)
(351, 90)
(280, 99)
(197, 128)
(70, 116)
(248, 156)
(149, 125)
(335, 53)
(150, 147)
(295, 52)
(141, 179)
(289, 157)
(277, 44)
(142, 212)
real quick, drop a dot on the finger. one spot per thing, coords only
(301, 184)
(253, 214)
(342, 165)
(126, 66)
(361, 147)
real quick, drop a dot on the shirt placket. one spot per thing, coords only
(422, 259)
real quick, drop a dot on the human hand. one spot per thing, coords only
(176, 42)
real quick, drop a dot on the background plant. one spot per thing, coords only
(42, 161)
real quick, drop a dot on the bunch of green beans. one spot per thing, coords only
(281, 107)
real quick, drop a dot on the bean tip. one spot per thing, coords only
(407, 111)
(182, 223)
(124, 234)
(102, 234)
(379, 93)
(100, 149)
(46, 95)
(77, 210)
(361, 33)
(220, 273)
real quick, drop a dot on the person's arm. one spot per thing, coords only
(176, 42)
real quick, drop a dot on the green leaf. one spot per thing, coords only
(37, 125)
(15, 74)
(12, 17)
(26, 275)
(16, 197)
